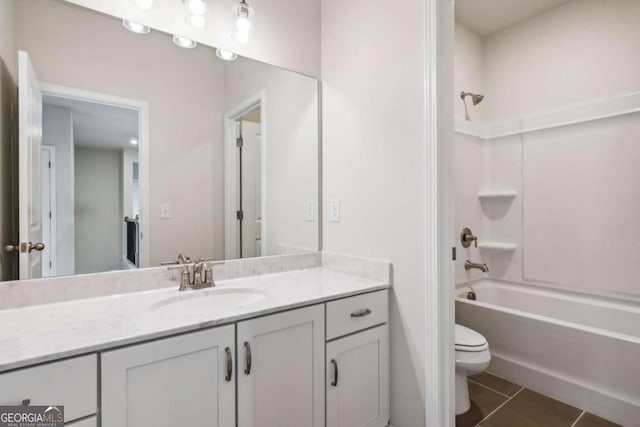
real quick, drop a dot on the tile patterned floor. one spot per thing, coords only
(496, 402)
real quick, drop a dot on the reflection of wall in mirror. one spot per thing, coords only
(8, 134)
(184, 90)
(291, 146)
(98, 203)
(57, 130)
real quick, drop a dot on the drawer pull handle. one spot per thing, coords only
(229, 364)
(26, 402)
(361, 313)
(247, 369)
(334, 382)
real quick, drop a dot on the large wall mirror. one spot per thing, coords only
(121, 150)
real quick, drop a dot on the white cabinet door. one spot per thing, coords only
(281, 370)
(358, 379)
(182, 381)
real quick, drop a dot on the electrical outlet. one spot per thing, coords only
(165, 211)
(334, 211)
(311, 212)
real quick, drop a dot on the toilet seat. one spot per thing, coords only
(469, 340)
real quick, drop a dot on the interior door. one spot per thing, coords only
(30, 143)
(251, 189)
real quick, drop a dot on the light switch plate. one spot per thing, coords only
(334, 211)
(165, 211)
(311, 212)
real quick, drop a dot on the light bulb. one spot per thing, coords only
(144, 4)
(197, 21)
(243, 13)
(135, 27)
(242, 37)
(196, 7)
(133, 141)
(226, 55)
(184, 42)
(243, 24)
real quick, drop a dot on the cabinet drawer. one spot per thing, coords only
(356, 313)
(72, 383)
(87, 422)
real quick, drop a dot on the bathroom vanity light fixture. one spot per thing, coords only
(197, 21)
(243, 13)
(184, 42)
(144, 4)
(196, 7)
(134, 27)
(197, 10)
(226, 55)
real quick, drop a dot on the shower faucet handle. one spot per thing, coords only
(466, 237)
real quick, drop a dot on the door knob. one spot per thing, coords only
(37, 246)
(24, 247)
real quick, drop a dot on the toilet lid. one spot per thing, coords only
(469, 340)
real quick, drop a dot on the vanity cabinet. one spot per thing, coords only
(281, 369)
(185, 381)
(72, 383)
(357, 361)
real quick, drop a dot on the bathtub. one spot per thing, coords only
(582, 350)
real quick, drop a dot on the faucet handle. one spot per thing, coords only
(185, 278)
(208, 276)
(466, 237)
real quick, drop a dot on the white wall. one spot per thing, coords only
(291, 144)
(8, 51)
(374, 155)
(57, 130)
(469, 71)
(98, 205)
(287, 33)
(575, 205)
(185, 95)
(578, 52)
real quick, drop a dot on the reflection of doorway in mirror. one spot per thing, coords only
(96, 184)
(245, 182)
(249, 175)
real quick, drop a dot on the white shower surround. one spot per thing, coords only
(578, 349)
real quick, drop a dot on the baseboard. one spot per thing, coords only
(551, 384)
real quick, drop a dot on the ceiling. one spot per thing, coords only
(485, 17)
(99, 125)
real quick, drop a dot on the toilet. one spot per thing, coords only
(472, 357)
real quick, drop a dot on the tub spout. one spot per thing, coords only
(468, 265)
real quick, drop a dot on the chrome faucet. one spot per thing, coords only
(182, 259)
(202, 276)
(468, 265)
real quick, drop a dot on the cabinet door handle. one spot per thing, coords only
(334, 383)
(361, 313)
(247, 369)
(229, 364)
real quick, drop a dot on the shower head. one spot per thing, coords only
(476, 99)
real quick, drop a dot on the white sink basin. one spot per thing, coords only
(209, 299)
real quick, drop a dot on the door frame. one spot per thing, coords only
(439, 372)
(142, 107)
(231, 182)
(53, 240)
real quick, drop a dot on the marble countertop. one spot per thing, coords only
(41, 333)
